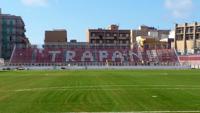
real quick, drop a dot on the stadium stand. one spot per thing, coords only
(82, 57)
(190, 59)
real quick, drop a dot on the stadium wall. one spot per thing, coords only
(178, 67)
(190, 59)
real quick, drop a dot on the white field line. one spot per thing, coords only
(62, 89)
(112, 88)
(136, 112)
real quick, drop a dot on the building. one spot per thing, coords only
(12, 34)
(74, 44)
(55, 38)
(113, 37)
(187, 38)
(150, 32)
(148, 42)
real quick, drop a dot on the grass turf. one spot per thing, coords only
(99, 91)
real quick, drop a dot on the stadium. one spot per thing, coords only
(116, 70)
(88, 78)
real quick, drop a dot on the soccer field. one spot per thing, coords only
(100, 91)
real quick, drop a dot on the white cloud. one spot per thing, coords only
(179, 8)
(35, 2)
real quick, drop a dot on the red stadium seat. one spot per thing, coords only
(138, 56)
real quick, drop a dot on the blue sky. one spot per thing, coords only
(78, 15)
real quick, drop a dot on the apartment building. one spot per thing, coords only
(113, 37)
(187, 38)
(12, 34)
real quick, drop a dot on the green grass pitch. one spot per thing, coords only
(99, 91)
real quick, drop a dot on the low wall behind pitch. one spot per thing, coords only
(100, 67)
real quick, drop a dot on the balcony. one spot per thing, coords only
(179, 32)
(198, 30)
(124, 38)
(112, 38)
(189, 31)
(94, 37)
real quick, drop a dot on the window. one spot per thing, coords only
(8, 22)
(14, 30)
(13, 21)
(101, 37)
(108, 41)
(13, 38)
(179, 30)
(124, 41)
(123, 35)
(107, 34)
(127, 42)
(93, 34)
(186, 37)
(94, 42)
(8, 30)
(127, 35)
(101, 41)
(189, 30)
(189, 37)
(197, 36)
(97, 41)
(111, 41)
(198, 28)
(180, 37)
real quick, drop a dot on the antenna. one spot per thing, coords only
(118, 24)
